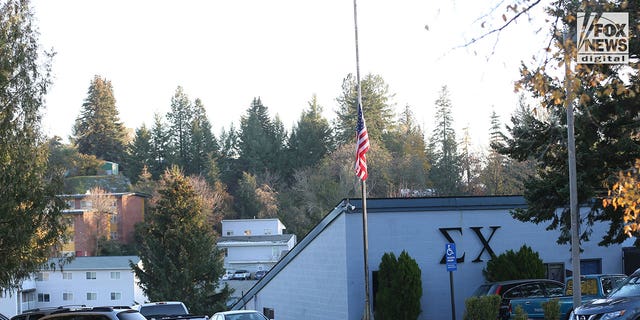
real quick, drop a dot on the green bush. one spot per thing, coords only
(520, 314)
(481, 308)
(551, 309)
(399, 288)
(524, 264)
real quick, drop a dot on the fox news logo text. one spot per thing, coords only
(603, 38)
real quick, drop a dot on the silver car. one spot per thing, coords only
(239, 315)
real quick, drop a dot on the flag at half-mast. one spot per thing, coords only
(362, 146)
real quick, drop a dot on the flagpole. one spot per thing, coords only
(363, 184)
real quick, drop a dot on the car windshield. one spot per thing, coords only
(482, 290)
(629, 288)
(244, 316)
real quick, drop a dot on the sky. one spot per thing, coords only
(283, 51)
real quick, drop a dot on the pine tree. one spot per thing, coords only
(140, 153)
(310, 139)
(160, 147)
(178, 249)
(258, 143)
(446, 170)
(98, 130)
(30, 211)
(180, 119)
(204, 146)
(376, 105)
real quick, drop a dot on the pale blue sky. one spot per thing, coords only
(227, 52)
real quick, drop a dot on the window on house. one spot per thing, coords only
(86, 204)
(229, 233)
(42, 276)
(226, 251)
(91, 275)
(115, 275)
(67, 296)
(247, 232)
(71, 204)
(43, 297)
(113, 235)
(116, 295)
(67, 275)
(92, 296)
(267, 231)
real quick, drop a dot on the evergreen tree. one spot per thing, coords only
(228, 165)
(399, 288)
(376, 104)
(98, 130)
(160, 147)
(446, 170)
(140, 153)
(310, 139)
(606, 100)
(30, 211)
(247, 205)
(204, 146)
(258, 141)
(178, 249)
(180, 119)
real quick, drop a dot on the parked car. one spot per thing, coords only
(621, 304)
(102, 313)
(35, 314)
(260, 274)
(227, 275)
(163, 309)
(594, 286)
(239, 315)
(241, 275)
(520, 288)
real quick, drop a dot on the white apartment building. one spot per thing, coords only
(254, 244)
(90, 281)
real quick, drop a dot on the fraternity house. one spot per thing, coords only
(323, 276)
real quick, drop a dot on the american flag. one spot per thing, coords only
(362, 146)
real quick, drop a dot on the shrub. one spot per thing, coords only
(482, 307)
(399, 288)
(551, 309)
(520, 314)
(524, 264)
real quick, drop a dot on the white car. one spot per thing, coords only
(241, 275)
(239, 315)
(227, 275)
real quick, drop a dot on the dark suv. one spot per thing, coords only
(520, 289)
(623, 303)
(35, 314)
(97, 313)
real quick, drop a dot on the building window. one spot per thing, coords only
(67, 296)
(115, 275)
(267, 231)
(226, 251)
(247, 232)
(85, 204)
(554, 271)
(92, 296)
(42, 276)
(590, 266)
(71, 204)
(116, 295)
(43, 297)
(229, 233)
(91, 275)
(114, 235)
(67, 275)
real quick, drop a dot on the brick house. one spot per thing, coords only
(120, 213)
